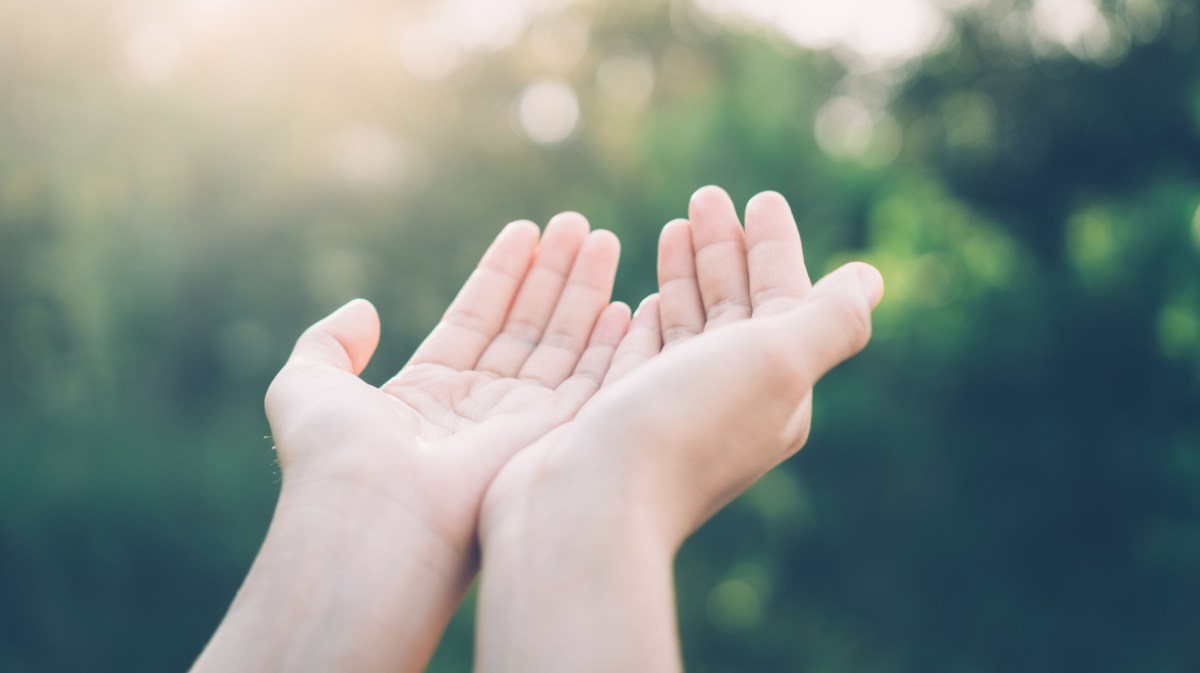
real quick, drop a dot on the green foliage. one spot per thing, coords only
(1008, 479)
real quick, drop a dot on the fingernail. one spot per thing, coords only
(872, 283)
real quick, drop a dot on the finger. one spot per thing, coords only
(681, 310)
(785, 355)
(476, 314)
(641, 342)
(720, 257)
(778, 279)
(537, 297)
(345, 339)
(834, 322)
(597, 359)
(587, 292)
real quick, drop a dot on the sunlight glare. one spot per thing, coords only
(560, 42)
(1080, 27)
(1066, 21)
(215, 6)
(427, 51)
(152, 52)
(366, 156)
(625, 79)
(490, 25)
(1144, 18)
(548, 111)
(877, 33)
(844, 127)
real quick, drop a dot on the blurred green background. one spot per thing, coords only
(1007, 480)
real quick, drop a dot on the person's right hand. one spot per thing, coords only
(744, 338)
(578, 530)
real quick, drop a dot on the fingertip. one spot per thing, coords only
(621, 307)
(357, 304)
(601, 250)
(715, 219)
(676, 252)
(356, 326)
(708, 195)
(518, 238)
(870, 280)
(648, 314)
(363, 309)
(673, 228)
(605, 238)
(346, 338)
(765, 202)
(520, 228)
(711, 202)
(856, 277)
(675, 234)
(650, 303)
(570, 221)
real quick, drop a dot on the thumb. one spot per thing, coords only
(833, 323)
(345, 339)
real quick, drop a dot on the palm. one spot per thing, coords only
(526, 343)
(439, 402)
(712, 274)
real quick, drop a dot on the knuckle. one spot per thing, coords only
(736, 305)
(678, 332)
(561, 339)
(523, 330)
(467, 319)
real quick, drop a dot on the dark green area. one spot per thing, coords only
(1008, 479)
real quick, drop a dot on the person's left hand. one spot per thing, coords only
(527, 341)
(373, 541)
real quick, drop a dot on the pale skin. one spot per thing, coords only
(578, 446)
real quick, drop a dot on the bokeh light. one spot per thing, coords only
(1007, 479)
(548, 110)
(625, 79)
(873, 33)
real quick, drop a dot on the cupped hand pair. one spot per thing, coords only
(536, 411)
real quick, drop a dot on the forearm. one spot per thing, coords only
(574, 591)
(325, 589)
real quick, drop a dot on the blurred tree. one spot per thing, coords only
(1006, 480)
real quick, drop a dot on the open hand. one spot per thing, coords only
(744, 337)
(527, 341)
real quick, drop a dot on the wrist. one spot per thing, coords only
(595, 582)
(575, 557)
(581, 484)
(573, 521)
(343, 581)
